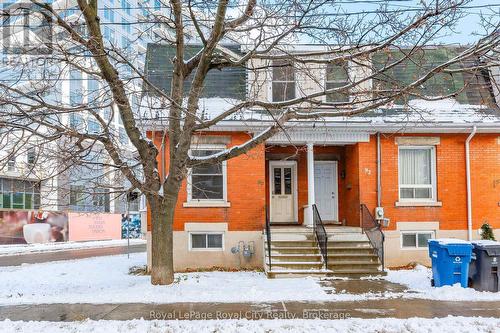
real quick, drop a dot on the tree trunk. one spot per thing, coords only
(162, 221)
(162, 263)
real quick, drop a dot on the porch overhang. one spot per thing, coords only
(325, 136)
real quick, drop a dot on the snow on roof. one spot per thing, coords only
(420, 112)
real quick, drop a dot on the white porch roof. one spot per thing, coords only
(324, 135)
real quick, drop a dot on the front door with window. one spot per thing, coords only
(326, 189)
(283, 189)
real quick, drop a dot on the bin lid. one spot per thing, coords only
(454, 247)
(485, 242)
(451, 241)
(491, 247)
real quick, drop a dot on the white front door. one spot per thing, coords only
(283, 191)
(326, 189)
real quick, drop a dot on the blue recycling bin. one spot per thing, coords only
(450, 261)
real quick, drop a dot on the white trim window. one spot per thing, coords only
(417, 173)
(206, 241)
(207, 183)
(283, 81)
(336, 76)
(415, 239)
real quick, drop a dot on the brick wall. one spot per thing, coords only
(451, 181)
(245, 191)
(248, 186)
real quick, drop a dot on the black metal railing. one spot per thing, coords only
(268, 238)
(373, 231)
(321, 235)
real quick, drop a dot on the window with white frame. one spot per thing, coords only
(417, 173)
(207, 182)
(11, 163)
(336, 76)
(415, 239)
(206, 241)
(283, 83)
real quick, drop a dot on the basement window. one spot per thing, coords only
(415, 239)
(206, 241)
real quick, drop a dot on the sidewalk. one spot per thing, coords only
(71, 251)
(391, 308)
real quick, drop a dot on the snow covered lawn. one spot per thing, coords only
(106, 280)
(8, 250)
(418, 282)
(442, 325)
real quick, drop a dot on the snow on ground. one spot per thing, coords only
(8, 250)
(441, 325)
(418, 281)
(106, 280)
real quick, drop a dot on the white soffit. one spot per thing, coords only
(319, 136)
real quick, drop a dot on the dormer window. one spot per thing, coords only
(336, 76)
(283, 85)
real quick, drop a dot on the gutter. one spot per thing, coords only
(467, 174)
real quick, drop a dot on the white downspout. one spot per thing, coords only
(467, 174)
(379, 168)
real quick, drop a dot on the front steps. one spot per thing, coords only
(295, 253)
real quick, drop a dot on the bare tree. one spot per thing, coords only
(375, 42)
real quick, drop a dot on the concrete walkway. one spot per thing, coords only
(34, 258)
(395, 308)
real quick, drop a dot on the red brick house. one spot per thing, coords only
(433, 167)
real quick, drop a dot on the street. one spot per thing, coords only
(33, 258)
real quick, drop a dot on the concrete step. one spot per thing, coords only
(350, 250)
(291, 237)
(295, 273)
(342, 229)
(350, 244)
(295, 265)
(296, 257)
(292, 243)
(352, 265)
(347, 237)
(294, 250)
(353, 274)
(346, 257)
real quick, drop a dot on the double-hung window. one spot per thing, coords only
(283, 83)
(336, 76)
(207, 182)
(417, 173)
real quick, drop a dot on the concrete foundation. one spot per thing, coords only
(188, 259)
(396, 255)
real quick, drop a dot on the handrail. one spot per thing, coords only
(268, 236)
(374, 232)
(321, 235)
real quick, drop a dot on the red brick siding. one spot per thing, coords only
(248, 183)
(451, 181)
(245, 192)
